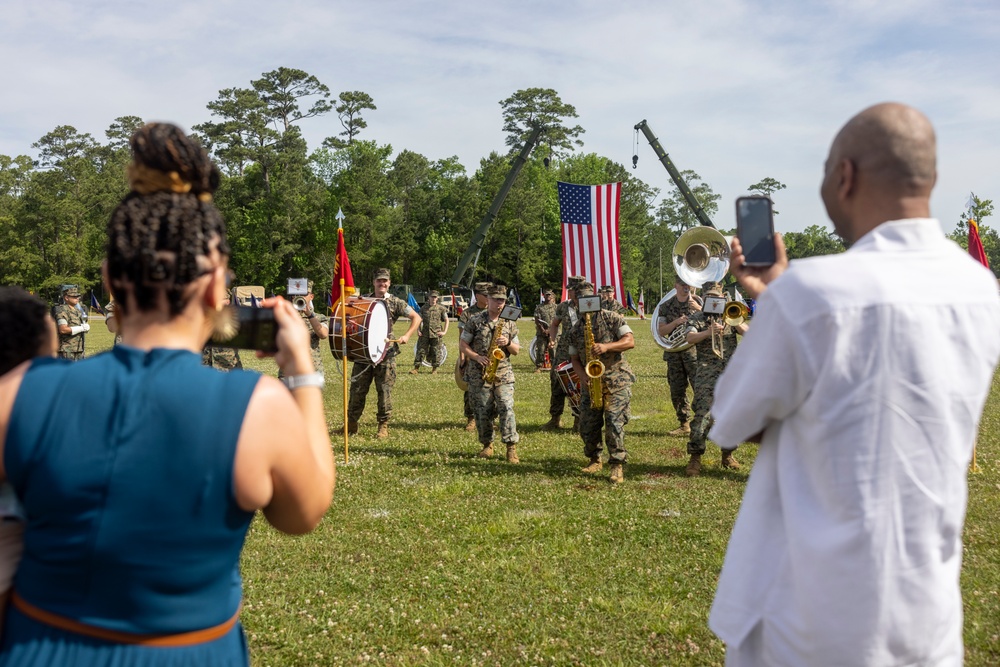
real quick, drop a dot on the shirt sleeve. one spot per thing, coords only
(768, 377)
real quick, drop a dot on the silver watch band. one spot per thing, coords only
(294, 382)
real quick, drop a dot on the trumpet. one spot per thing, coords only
(734, 314)
(300, 303)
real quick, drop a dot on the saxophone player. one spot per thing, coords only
(609, 336)
(485, 338)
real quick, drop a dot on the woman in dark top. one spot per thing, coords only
(139, 469)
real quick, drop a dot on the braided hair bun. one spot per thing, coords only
(161, 229)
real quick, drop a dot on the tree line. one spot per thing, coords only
(411, 213)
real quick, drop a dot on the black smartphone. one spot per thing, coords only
(755, 230)
(255, 329)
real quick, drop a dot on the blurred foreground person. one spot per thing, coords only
(27, 330)
(863, 377)
(137, 513)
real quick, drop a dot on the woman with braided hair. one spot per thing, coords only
(140, 469)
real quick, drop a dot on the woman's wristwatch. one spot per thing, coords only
(294, 382)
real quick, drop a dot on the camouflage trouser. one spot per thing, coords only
(427, 348)
(72, 356)
(557, 402)
(470, 410)
(223, 358)
(490, 402)
(612, 418)
(681, 371)
(704, 390)
(541, 347)
(384, 375)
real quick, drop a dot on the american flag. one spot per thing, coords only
(589, 215)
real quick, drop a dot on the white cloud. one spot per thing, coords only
(736, 89)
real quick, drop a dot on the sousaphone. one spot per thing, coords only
(701, 254)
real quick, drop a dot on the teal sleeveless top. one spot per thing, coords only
(124, 464)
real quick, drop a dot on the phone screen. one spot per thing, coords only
(755, 228)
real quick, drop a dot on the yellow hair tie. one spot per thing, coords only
(145, 180)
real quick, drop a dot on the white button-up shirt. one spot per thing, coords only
(867, 373)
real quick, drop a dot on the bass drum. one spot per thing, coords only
(367, 330)
(442, 355)
(460, 374)
(677, 340)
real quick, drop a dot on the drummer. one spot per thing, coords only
(383, 373)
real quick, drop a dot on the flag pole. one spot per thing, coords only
(343, 358)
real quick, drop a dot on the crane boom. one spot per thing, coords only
(476, 245)
(689, 196)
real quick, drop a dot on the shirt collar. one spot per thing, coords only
(898, 234)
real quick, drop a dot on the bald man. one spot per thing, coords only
(863, 377)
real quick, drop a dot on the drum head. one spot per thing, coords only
(378, 331)
(442, 356)
(531, 350)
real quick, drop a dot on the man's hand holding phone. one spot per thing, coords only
(754, 279)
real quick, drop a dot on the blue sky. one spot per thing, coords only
(735, 89)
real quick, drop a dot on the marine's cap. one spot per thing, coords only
(71, 290)
(482, 288)
(381, 273)
(549, 292)
(607, 289)
(585, 288)
(498, 292)
(309, 286)
(711, 288)
(433, 293)
(573, 281)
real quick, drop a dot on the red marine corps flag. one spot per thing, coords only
(589, 216)
(975, 243)
(341, 268)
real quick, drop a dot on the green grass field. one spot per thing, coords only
(431, 556)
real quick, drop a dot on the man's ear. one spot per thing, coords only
(847, 179)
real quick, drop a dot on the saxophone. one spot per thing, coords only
(593, 367)
(494, 354)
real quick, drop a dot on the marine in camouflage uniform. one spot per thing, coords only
(609, 302)
(709, 368)
(608, 328)
(495, 398)
(479, 290)
(314, 338)
(681, 366)
(382, 374)
(544, 314)
(433, 326)
(72, 325)
(566, 318)
(109, 314)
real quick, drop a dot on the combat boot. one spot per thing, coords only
(434, 371)
(617, 473)
(352, 427)
(576, 424)
(693, 468)
(414, 371)
(512, 454)
(538, 369)
(486, 452)
(683, 429)
(594, 467)
(471, 424)
(728, 460)
(552, 424)
(383, 430)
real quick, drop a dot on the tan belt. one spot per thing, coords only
(117, 636)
